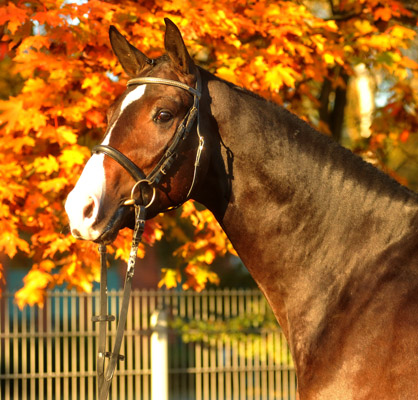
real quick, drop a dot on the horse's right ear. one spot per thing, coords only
(131, 59)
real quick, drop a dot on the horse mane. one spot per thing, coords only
(319, 146)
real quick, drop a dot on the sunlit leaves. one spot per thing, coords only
(36, 282)
(10, 242)
(61, 53)
(170, 278)
(13, 16)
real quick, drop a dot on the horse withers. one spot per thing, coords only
(330, 240)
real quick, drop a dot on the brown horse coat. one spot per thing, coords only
(331, 241)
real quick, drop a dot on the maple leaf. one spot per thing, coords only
(198, 277)
(170, 278)
(55, 184)
(51, 17)
(36, 282)
(279, 75)
(47, 165)
(11, 112)
(10, 242)
(383, 13)
(73, 156)
(12, 15)
(66, 134)
(279, 49)
(227, 74)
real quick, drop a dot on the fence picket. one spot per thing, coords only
(50, 353)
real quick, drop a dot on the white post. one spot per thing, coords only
(159, 356)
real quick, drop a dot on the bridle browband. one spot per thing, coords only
(104, 376)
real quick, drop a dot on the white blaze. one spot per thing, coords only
(83, 203)
(136, 94)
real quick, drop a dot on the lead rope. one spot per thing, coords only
(104, 377)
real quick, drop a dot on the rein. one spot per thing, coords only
(104, 376)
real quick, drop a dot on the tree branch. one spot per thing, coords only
(343, 17)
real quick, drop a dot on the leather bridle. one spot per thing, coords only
(104, 376)
(162, 167)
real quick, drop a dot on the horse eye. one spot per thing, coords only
(163, 116)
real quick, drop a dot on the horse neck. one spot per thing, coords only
(305, 215)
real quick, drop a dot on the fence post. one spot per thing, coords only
(159, 356)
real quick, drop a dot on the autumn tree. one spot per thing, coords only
(60, 76)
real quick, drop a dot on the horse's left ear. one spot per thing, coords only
(176, 48)
(131, 59)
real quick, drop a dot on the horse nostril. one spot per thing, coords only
(76, 233)
(88, 210)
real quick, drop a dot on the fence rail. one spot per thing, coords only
(222, 344)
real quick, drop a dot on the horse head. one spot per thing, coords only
(151, 151)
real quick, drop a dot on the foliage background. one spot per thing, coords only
(59, 76)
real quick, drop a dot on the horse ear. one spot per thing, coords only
(131, 59)
(176, 48)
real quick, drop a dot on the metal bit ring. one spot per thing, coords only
(132, 200)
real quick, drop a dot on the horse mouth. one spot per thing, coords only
(122, 218)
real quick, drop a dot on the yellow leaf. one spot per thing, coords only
(278, 75)
(55, 184)
(363, 27)
(47, 165)
(66, 135)
(380, 42)
(329, 58)
(401, 32)
(209, 256)
(60, 245)
(198, 277)
(170, 278)
(34, 85)
(36, 283)
(227, 74)
(72, 156)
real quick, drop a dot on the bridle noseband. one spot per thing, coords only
(104, 376)
(162, 167)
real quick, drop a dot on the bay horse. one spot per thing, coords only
(330, 240)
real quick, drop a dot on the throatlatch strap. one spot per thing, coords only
(104, 378)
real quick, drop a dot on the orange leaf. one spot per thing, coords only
(10, 242)
(383, 13)
(403, 137)
(13, 15)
